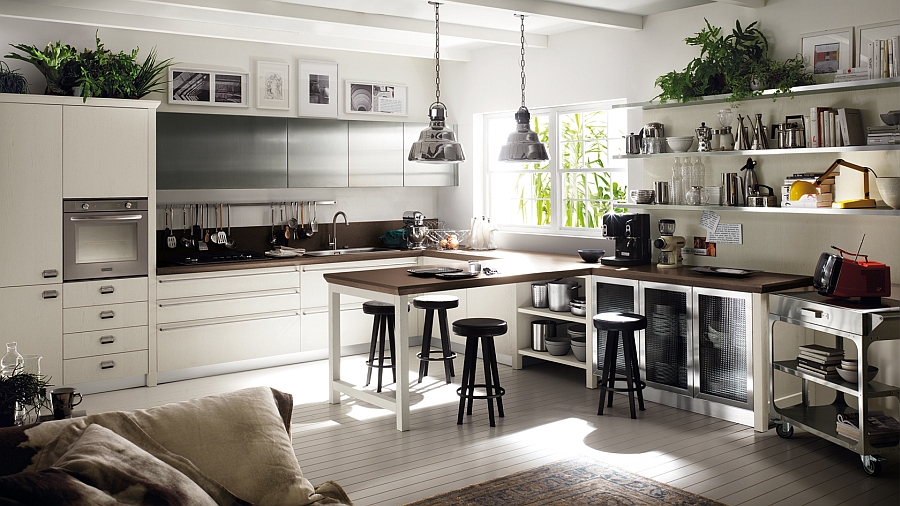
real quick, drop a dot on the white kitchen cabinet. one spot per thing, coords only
(32, 316)
(106, 152)
(104, 342)
(106, 291)
(30, 194)
(106, 367)
(494, 302)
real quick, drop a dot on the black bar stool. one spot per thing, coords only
(627, 324)
(439, 303)
(486, 329)
(384, 320)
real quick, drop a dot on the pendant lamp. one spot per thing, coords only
(437, 143)
(523, 145)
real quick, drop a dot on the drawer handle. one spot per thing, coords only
(107, 364)
(50, 273)
(106, 315)
(813, 313)
(50, 294)
(180, 326)
(107, 339)
(107, 289)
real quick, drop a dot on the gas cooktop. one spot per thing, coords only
(218, 257)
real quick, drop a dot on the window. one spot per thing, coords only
(579, 184)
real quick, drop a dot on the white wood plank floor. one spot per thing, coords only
(549, 416)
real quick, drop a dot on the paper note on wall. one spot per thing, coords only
(709, 220)
(727, 233)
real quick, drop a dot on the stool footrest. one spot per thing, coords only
(388, 362)
(439, 358)
(641, 385)
(500, 392)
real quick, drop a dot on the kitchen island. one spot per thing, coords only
(396, 286)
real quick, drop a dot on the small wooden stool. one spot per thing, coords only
(439, 303)
(384, 320)
(473, 329)
(627, 324)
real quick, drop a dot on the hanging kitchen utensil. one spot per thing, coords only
(206, 223)
(167, 233)
(272, 238)
(314, 226)
(293, 223)
(185, 240)
(287, 225)
(213, 232)
(229, 242)
(195, 229)
(223, 238)
(204, 238)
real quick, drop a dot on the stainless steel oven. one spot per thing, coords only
(104, 239)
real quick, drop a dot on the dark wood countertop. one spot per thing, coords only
(514, 267)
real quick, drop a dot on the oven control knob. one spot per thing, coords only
(128, 205)
(85, 206)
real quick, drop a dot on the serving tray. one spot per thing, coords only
(427, 272)
(456, 275)
(724, 271)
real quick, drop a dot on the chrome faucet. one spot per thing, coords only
(332, 239)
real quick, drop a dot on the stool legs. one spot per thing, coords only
(468, 378)
(491, 384)
(372, 344)
(607, 380)
(382, 327)
(632, 372)
(629, 370)
(636, 373)
(445, 344)
(426, 344)
(425, 354)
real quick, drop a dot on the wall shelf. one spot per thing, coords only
(553, 315)
(567, 359)
(880, 211)
(760, 152)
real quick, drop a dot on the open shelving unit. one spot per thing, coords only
(879, 211)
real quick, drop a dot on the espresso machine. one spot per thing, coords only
(631, 232)
(669, 245)
(416, 231)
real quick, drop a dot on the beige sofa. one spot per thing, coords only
(233, 448)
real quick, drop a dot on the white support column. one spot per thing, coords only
(334, 344)
(401, 361)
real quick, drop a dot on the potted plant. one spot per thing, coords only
(56, 62)
(27, 390)
(11, 81)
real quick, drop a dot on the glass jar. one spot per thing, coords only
(696, 196)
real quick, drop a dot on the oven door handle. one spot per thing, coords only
(127, 217)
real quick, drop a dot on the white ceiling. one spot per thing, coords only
(401, 27)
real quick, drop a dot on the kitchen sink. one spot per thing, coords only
(344, 251)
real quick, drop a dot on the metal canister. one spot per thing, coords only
(539, 295)
(540, 331)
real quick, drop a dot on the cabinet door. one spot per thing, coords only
(30, 194)
(106, 152)
(668, 350)
(614, 295)
(376, 153)
(425, 174)
(724, 327)
(32, 316)
(318, 153)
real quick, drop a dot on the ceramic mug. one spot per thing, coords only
(62, 399)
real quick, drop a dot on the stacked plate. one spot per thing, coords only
(576, 331)
(643, 196)
(579, 348)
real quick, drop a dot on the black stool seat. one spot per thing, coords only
(626, 324)
(620, 321)
(436, 302)
(485, 329)
(378, 307)
(473, 327)
(439, 303)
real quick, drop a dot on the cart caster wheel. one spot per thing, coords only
(871, 465)
(784, 430)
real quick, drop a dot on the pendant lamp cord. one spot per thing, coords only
(522, 63)
(437, 52)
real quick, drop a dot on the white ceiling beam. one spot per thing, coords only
(755, 4)
(43, 10)
(567, 12)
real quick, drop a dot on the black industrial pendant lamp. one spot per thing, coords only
(437, 143)
(523, 145)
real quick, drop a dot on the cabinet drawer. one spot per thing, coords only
(314, 288)
(105, 367)
(208, 342)
(109, 316)
(104, 342)
(111, 291)
(179, 310)
(356, 327)
(216, 283)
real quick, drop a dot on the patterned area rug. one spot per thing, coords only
(578, 481)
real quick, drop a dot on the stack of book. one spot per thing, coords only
(881, 429)
(882, 57)
(830, 127)
(881, 135)
(852, 74)
(819, 361)
(824, 197)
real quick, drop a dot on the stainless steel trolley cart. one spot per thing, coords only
(863, 324)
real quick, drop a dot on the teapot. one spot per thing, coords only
(633, 143)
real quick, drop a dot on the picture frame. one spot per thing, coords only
(317, 85)
(273, 80)
(365, 97)
(196, 86)
(827, 52)
(866, 34)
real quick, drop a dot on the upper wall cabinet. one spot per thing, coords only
(376, 154)
(318, 153)
(425, 174)
(205, 151)
(105, 152)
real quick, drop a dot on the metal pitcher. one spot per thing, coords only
(751, 183)
(633, 143)
(734, 188)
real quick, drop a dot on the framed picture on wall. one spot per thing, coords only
(886, 36)
(273, 85)
(318, 80)
(375, 98)
(827, 52)
(191, 86)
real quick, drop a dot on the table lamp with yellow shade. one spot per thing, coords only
(800, 188)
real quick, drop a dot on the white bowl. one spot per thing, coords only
(852, 376)
(680, 144)
(557, 346)
(889, 188)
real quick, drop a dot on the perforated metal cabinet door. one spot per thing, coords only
(614, 295)
(668, 340)
(724, 331)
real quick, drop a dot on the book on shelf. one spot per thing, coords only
(817, 365)
(833, 375)
(819, 350)
(880, 428)
(851, 127)
(820, 359)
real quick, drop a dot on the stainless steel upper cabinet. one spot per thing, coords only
(376, 153)
(203, 151)
(425, 174)
(318, 153)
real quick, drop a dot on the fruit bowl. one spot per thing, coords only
(591, 256)
(444, 239)
(851, 376)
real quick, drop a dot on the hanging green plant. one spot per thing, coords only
(11, 81)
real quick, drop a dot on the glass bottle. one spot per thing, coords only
(698, 173)
(12, 362)
(677, 191)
